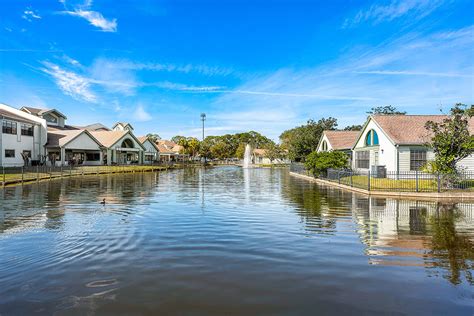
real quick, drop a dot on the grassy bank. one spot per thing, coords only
(20, 175)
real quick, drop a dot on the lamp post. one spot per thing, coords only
(203, 118)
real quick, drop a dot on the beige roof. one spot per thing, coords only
(259, 152)
(410, 129)
(165, 150)
(9, 115)
(340, 140)
(59, 138)
(108, 138)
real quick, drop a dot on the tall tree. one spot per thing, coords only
(353, 128)
(386, 110)
(153, 137)
(302, 140)
(452, 140)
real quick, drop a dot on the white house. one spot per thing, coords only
(152, 152)
(79, 147)
(53, 117)
(121, 126)
(23, 135)
(120, 147)
(338, 141)
(397, 142)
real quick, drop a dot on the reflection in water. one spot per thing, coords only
(220, 240)
(434, 235)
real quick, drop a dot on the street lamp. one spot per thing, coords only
(203, 118)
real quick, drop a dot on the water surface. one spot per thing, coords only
(229, 241)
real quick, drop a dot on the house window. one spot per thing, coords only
(325, 146)
(417, 159)
(9, 127)
(27, 153)
(50, 118)
(27, 129)
(372, 139)
(9, 153)
(92, 156)
(363, 159)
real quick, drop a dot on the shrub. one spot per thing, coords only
(319, 162)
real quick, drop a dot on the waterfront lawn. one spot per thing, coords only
(387, 184)
(16, 174)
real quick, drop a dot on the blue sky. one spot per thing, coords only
(249, 65)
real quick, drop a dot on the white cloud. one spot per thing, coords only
(167, 67)
(70, 83)
(96, 19)
(141, 115)
(411, 72)
(394, 9)
(30, 14)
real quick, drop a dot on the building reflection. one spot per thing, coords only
(437, 236)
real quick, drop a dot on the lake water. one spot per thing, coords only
(229, 241)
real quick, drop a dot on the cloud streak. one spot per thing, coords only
(93, 17)
(70, 83)
(395, 9)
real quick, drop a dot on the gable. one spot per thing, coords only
(83, 141)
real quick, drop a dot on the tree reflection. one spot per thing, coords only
(454, 251)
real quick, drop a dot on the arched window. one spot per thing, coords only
(325, 146)
(372, 139)
(127, 143)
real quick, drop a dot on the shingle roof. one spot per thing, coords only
(410, 129)
(108, 138)
(340, 140)
(94, 127)
(59, 138)
(15, 117)
(40, 112)
(260, 152)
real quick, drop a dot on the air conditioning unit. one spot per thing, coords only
(378, 171)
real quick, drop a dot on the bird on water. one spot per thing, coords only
(103, 202)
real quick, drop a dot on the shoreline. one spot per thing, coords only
(102, 170)
(443, 196)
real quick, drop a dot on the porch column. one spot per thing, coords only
(109, 157)
(63, 155)
(101, 157)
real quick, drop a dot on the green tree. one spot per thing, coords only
(319, 162)
(239, 153)
(386, 110)
(274, 152)
(451, 141)
(153, 137)
(353, 128)
(177, 138)
(302, 140)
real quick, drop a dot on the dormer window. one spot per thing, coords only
(372, 139)
(50, 118)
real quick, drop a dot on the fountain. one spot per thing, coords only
(247, 156)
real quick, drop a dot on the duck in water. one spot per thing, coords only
(103, 202)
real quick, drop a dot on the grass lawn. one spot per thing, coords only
(386, 184)
(14, 175)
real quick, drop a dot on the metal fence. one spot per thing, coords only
(411, 181)
(11, 175)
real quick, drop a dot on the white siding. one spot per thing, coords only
(84, 142)
(467, 164)
(386, 150)
(320, 147)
